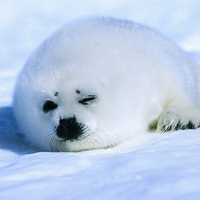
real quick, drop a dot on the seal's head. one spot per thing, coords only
(68, 96)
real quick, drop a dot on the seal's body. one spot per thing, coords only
(98, 82)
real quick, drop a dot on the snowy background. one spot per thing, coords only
(152, 166)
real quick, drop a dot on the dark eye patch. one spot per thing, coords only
(49, 106)
(88, 99)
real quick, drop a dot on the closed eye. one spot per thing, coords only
(49, 106)
(88, 99)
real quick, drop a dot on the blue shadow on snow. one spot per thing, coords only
(10, 137)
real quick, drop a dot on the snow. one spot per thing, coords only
(151, 166)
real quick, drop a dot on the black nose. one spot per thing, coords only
(69, 129)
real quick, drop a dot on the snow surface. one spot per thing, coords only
(151, 166)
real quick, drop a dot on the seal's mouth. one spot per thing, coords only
(81, 137)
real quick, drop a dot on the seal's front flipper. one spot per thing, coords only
(173, 119)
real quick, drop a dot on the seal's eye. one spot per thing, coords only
(48, 106)
(88, 99)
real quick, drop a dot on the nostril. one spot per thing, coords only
(69, 129)
(67, 124)
(70, 122)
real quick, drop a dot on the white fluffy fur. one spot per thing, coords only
(142, 81)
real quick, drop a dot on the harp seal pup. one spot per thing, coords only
(97, 82)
